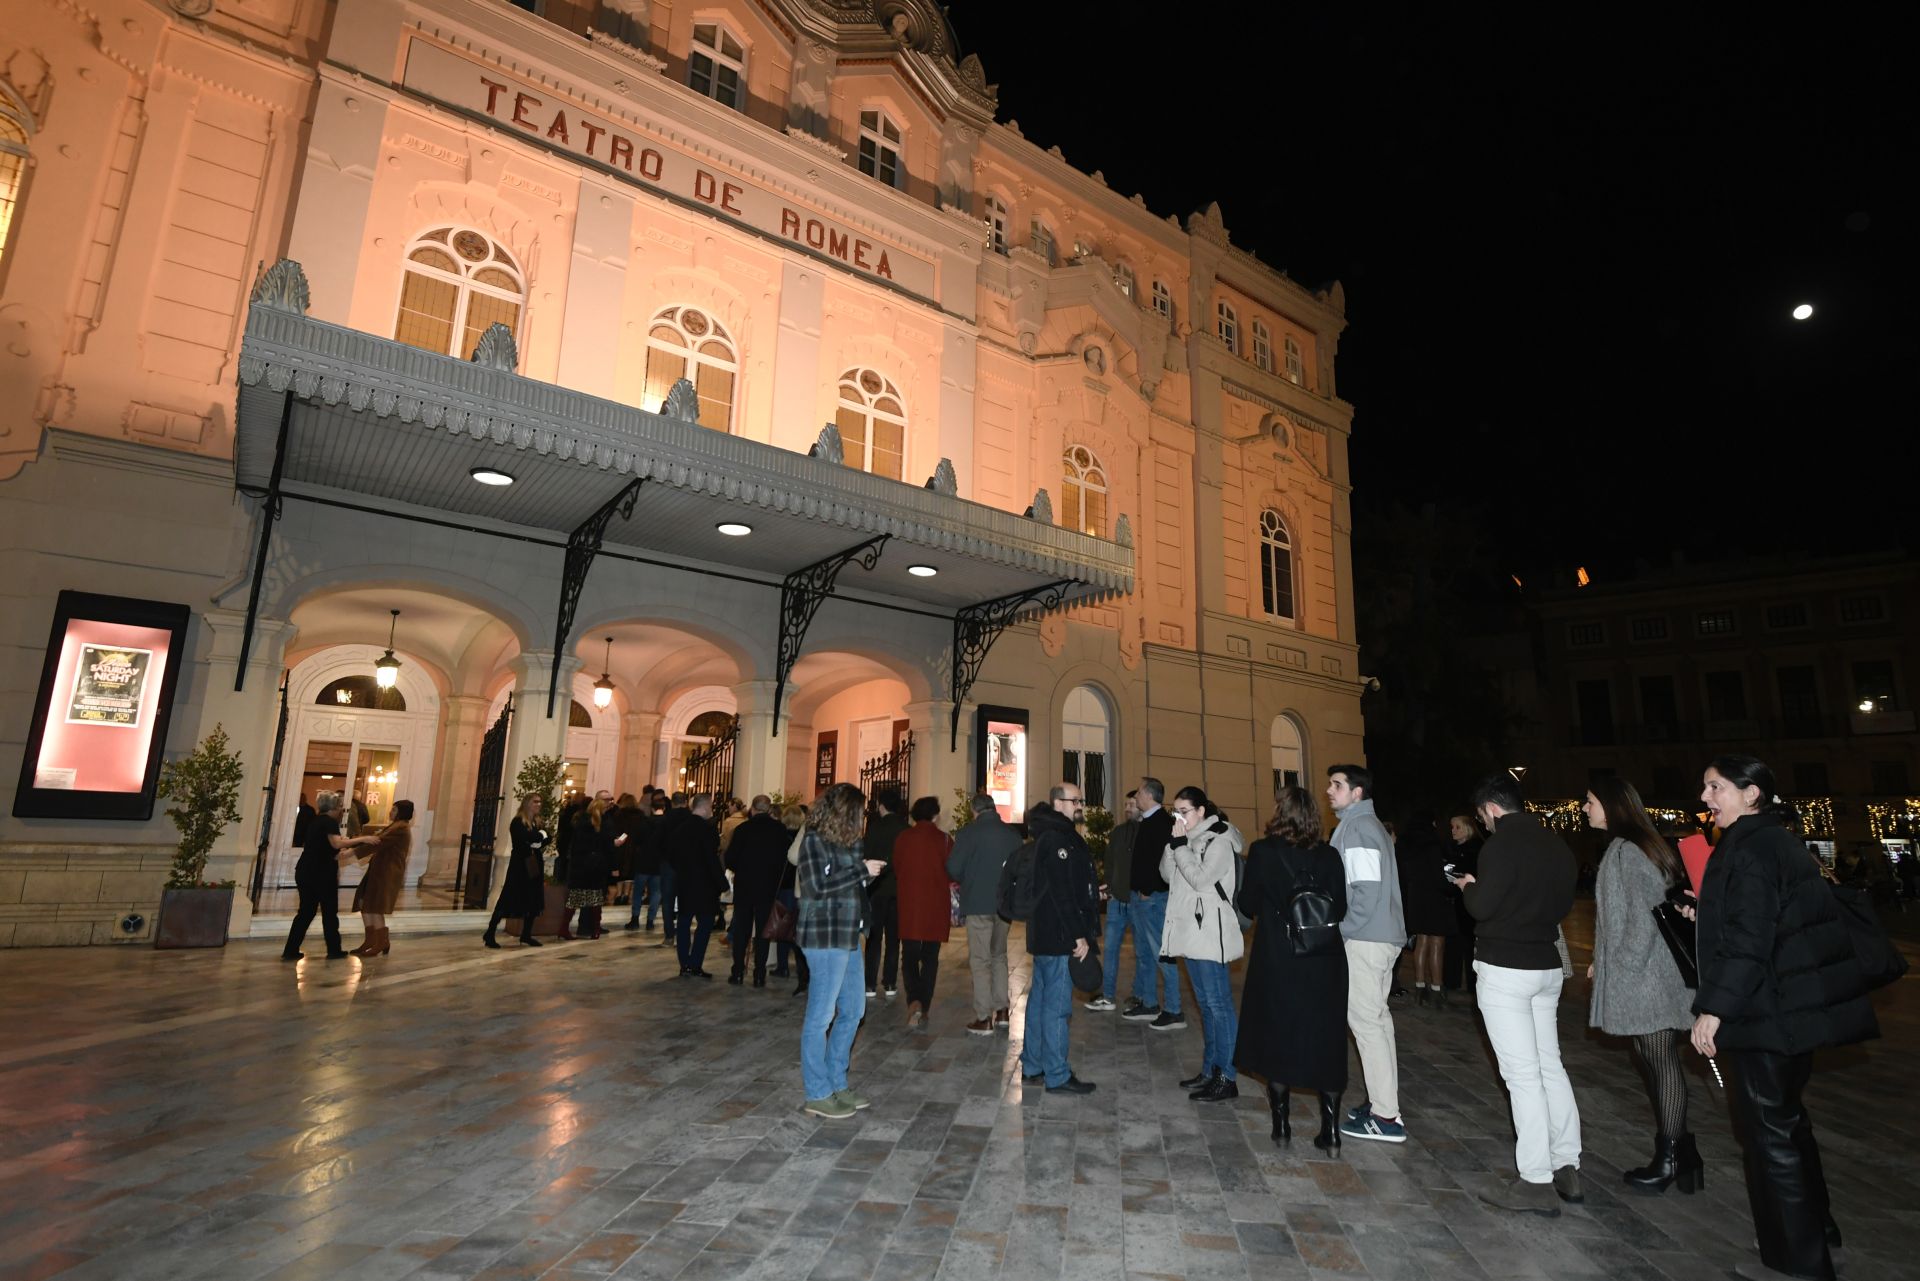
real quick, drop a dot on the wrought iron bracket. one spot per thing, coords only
(583, 544)
(977, 627)
(269, 514)
(801, 594)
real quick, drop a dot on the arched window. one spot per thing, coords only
(872, 423)
(710, 726)
(996, 218)
(1162, 299)
(685, 342)
(456, 284)
(1289, 755)
(1086, 734)
(1040, 240)
(1262, 346)
(717, 65)
(1083, 491)
(15, 129)
(363, 692)
(1296, 366)
(1276, 567)
(880, 148)
(578, 717)
(1226, 323)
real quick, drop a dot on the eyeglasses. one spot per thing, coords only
(1184, 813)
(1074, 800)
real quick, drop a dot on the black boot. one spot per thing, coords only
(1329, 1136)
(1439, 998)
(1420, 996)
(1277, 1101)
(489, 939)
(1197, 1080)
(1690, 1172)
(1653, 1177)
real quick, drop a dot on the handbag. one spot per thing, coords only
(780, 922)
(1679, 934)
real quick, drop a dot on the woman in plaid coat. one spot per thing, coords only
(834, 916)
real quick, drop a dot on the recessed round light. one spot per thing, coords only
(1803, 312)
(922, 571)
(734, 529)
(490, 476)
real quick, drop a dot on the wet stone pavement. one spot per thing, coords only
(578, 1111)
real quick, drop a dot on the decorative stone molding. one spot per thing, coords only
(1123, 530)
(683, 402)
(1042, 509)
(1209, 224)
(828, 448)
(282, 287)
(943, 481)
(627, 51)
(801, 136)
(497, 350)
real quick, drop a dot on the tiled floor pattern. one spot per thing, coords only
(578, 1112)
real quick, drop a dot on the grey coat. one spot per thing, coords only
(979, 850)
(1636, 986)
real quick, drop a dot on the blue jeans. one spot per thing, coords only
(651, 885)
(1049, 1003)
(1118, 918)
(692, 938)
(1213, 993)
(834, 996)
(1147, 913)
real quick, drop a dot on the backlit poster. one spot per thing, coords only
(1006, 767)
(100, 717)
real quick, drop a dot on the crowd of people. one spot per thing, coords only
(856, 896)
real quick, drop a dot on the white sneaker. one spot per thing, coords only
(892, 992)
(872, 992)
(1100, 1003)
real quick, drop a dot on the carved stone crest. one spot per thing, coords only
(828, 448)
(283, 287)
(497, 350)
(1042, 509)
(1123, 530)
(682, 402)
(943, 481)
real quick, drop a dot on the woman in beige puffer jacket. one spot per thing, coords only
(1201, 868)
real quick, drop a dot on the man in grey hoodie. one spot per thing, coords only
(979, 851)
(1375, 930)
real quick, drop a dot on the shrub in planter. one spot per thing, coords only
(204, 786)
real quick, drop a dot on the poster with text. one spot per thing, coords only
(108, 683)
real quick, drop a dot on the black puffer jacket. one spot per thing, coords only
(1776, 963)
(1069, 906)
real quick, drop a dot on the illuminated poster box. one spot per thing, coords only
(1000, 758)
(100, 719)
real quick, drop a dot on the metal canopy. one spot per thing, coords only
(334, 413)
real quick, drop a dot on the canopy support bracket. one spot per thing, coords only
(977, 627)
(583, 544)
(269, 515)
(801, 594)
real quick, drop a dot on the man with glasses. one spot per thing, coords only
(1147, 913)
(1065, 914)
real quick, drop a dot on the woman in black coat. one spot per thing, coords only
(523, 892)
(1778, 980)
(1428, 898)
(594, 846)
(1293, 1010)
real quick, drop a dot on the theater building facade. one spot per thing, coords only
(708, 387)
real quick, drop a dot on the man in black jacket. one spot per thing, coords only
(1520, 894)
(1065, 915)
(883, 893)
(757, 855)
(698, 880)
(665, 830)
(1147, 913)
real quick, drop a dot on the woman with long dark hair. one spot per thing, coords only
(386, 874)
(1293, 1010)
(834, 918)
(1778, 980)
(1199, 869)
(1637, 989)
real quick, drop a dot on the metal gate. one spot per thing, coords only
(711, 770)
(895, 769)
(272, 790)
(470, 889)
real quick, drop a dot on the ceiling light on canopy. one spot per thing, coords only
(603, 688)
(386, 668)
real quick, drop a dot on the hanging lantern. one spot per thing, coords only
(603, 688)
(386, 668)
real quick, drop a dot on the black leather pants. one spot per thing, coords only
(1785, 1185)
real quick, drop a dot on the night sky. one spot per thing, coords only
(1570, 251)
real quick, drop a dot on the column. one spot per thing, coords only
(939, 771)
(456, 766)
(797, 417)
(759, 759)
(639, 740)
(250, 718)
(533, 732)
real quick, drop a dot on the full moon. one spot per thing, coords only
(1803, 311)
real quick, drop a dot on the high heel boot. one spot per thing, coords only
(566, 919)
(1277, 1101)
(1329, 1136)
(1690, 1172)
(1653, 1177)
(374, 944)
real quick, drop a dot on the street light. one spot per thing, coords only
(603, 688)
(386, 668)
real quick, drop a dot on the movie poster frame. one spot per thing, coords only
(30, 801)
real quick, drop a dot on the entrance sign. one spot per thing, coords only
(647, 159)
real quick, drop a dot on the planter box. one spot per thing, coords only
(193, 918)
(548, 922)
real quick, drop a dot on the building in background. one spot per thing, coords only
(720, 396)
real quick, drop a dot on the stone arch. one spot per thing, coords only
(705, 290)
(725, 635)
(280, 598)
(491, 210)
(1299, 536)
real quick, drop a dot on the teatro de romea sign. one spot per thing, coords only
(544, 116)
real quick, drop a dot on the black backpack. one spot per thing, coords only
(1020, 887)
(1312, 927)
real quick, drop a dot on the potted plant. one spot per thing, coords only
(205, 788)
(543, 776)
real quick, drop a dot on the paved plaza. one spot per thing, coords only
(578, 1111)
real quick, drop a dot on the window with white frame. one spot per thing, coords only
(717, 65)
(996, 219)
(1086, 748)
(1289, 754)
(1262, 346)
(1123, 279)
(1162, 299)
(1296, 363)
(15, 129)
(872, 423)
(685, 342)
(1040, 240)
(1083, 491)
(456, 284)
(880, 147)
(1276, 567)
(1226, 323)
